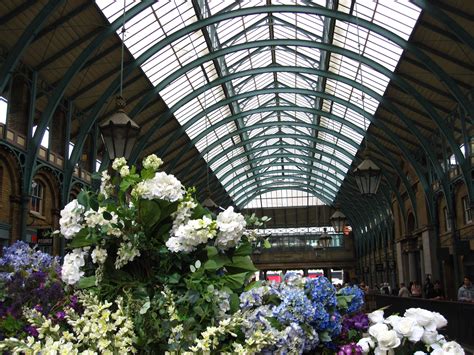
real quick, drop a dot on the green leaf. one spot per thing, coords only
(174, 279)
(107, 216)
(199, 212)
(96, 176)
(149, 212)
(211, 265)
(83, 199)
(324, 337)
(167, 208)
(124, 185)
(147, 174)
(240, 263)
(235, 281)
(82, 239)
(140, 293)
(234, 302)
(86, 282)
(243, 250)
(267, 244)
(94, 203)
(253, 285)
(211, 251)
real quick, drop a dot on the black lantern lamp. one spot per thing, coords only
(119, 132)
(368, 176)
(325, 239)
(338, 220)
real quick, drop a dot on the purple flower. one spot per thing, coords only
(60, 315)
(38, 308)
(31, 331)
(350, 349)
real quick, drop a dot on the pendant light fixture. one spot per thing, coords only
(338, 220)
(119, 132)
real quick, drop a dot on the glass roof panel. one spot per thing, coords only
(160, 20)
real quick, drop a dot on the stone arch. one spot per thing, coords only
(411, 223)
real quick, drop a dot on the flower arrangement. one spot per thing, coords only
(148, 269)
(145, 238)
(416, 332)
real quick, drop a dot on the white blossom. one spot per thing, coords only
(376, 316)
(423, 317)
(106, 187)
(126, 253)
(71, 270)
(449, 348)
(388, 340)
(377, 328)
(191, 234)
(99, 255)
(183, 214)
(231, 227)
(152, 162)
(366, 344)
(162, 186)
(118, 163)
(408, 328)
(71, 218)
(124, 171)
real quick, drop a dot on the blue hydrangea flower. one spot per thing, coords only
(20, 256)
(295, 307)
(255, 296)
(321, 290)
(357, 300)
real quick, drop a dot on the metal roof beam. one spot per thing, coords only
(25, 5)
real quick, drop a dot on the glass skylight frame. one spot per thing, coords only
(163, 18)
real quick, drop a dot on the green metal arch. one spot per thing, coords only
(238, 189)
(342, 102)
(25, 39)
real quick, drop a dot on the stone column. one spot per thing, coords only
(413, 275)
(398, 252)
(430, 260)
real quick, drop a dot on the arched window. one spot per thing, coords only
(37, 197)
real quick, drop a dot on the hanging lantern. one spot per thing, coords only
(368, 176)
(119, 132)
(325, 239)
(338, 221)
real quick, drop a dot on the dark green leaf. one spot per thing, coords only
(240, 263)
(107, 216)
(174, 279)
(243, 250)
(149, 212)
(324, 337)
(86, 282)
(211, 251)
(83, 199)
(211, 265)
(235, 281)
(82, 239)
(199, 212)
(234, 302)
(96, 176)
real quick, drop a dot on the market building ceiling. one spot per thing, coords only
(277, 98)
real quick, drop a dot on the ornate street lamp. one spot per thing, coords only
(338, 220)
(368, 176)
(119, 132)
(325, 239)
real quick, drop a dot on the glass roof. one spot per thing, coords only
(293, 112)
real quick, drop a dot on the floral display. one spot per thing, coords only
(147, 269)
(416, 332)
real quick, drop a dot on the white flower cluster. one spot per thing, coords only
(118, 163)
(222, 301)
(231, 228)
(152, 162)
(99, 255)
(106, 187)
(125, 254)
(189, 235)
(210, 337)
(161, 186)
(183, 214)
(71, 270)
(97, 330)
(416, 325)
(71, 218)
(96, 219)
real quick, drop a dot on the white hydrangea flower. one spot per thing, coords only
(183, 214)
(124, 171)
(189, 235)
(71, 270)
(162, 186)
(71, 218)
(152, 162)
(118, 163)
(231, 228)
(99, 255)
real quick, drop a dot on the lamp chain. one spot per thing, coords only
(123, 49)
(359, 52)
